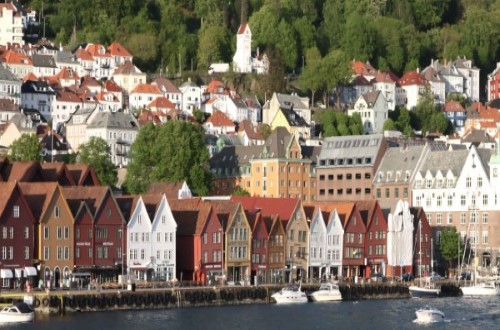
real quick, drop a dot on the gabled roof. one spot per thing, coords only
(151, 203)
(385, 77)
(111, 86)
(38, 195)
(127, 68)
(83, 55)
(65, 96)
(453, 106)
(67, 73)
(170, 189)
(242, 28)
(293, 118)
(6, 190)
(362, 147)
(363, 69)
(277, 143)
(370, 97)
(5, 74)
(218, 119)
(412, 78)
(247, 127)
(22, 171)
(56, 172)
(46, 61)
(190, 215)
(127, 204)
(114, 120)
(161, 103)
(360, 81)
(165, 85)
(82, 173)
(444, 161)
(283, 207)
(116, 49)
(146, 89)
(16, 58)
(366, 209)
(92, 196)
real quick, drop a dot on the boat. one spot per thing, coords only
(425, 289)
(481, 289)
(429, 315)
(18, 312)
(290, 294)
(327, 292)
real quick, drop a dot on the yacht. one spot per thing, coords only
(428, 315)
(327, 292)
(290, 294)
(481, 289)
(424, 290)
(18, 312)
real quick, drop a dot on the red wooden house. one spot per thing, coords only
(17, 237)
(212, 246)
(376, 237)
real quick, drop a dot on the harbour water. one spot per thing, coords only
(461, 313)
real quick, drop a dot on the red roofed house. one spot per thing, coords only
(169, 91)
(86, 62)
(103, 63)
(363, 69)
(68, 77)
(161, 104)
(17, 238)
(128, 76)
(386, 82)
(119, 54)
(219, 123)
(18, 63)
(412, 86)
(142, 95)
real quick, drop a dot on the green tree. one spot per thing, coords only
(240, 192)
(26, 148)
(390, 125)
(97, 153)
(214, 46)
(335, 72)
(450, 246)
(171, 152)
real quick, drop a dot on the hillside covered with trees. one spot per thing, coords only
(177, 35)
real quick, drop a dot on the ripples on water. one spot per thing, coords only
(460, 313)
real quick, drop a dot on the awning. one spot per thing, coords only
(30, 271)
(6, 273)
(19, 272)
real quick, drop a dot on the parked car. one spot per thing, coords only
(379, 277)
(408, 277)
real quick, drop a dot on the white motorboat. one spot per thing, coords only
(429, 315)
(327, 292)
(424, 291)
(18, 312)
(481, 289)
(290, 294)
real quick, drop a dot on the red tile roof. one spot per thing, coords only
(116, 49)
(218, 118)
(363, 69)
(146, 89)
(161, 103)
(412, 78)
(30, 76)
(83, 55)
(112, 86)
(453, 106)
(16, 58)
(283, 207)
(242, 28)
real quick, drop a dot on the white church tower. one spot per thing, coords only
(242, 60)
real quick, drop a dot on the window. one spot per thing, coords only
(387, 193)
(462, 218)
(485, 237)
(16, 211)
(60, 253)
(66, 232)
(485, 199)
(57, 212)
(439, 218)
(473, 217)
(438, 237)
(46, 253)
(462, 200)
(396, 192)
(205, 238)
(450, 218)
(450, 200)
(26, 253)
(468, 182)
(439, 201)
(26, 232)
(479, 182)
(485, 218)
(45, 232)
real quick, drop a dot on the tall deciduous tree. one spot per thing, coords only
(172, 152)
(214, 46)
(26, 148)
(450, 246)
(97, 153)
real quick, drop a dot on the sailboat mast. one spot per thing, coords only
(420, 250)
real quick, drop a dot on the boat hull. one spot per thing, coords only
(324, 296)
(478, 290)
(16, 317)
(420, 292)
(285, 297)
(429, 316)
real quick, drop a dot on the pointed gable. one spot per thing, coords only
(39, 196)
(83, 174)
